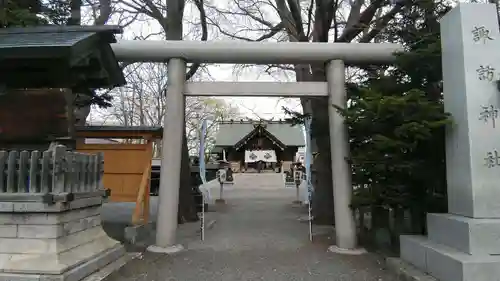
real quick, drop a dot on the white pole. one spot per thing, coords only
(297, 193)
(201, 161)
(310, 220)
(345, 229)
(168, 200)
(221, 191)
(297, 178)
(308, 152)
(203, 218)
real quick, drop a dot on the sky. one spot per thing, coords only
(253, 107)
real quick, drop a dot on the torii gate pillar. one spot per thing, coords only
(170, 175)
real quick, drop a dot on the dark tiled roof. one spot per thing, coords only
(231, 133)
(42, 39)
(54, 56)
(118, 131)
(54, 36)
(112, 29)
(145, 129)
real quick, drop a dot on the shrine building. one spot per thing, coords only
(258, 146)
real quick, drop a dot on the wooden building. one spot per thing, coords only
(258, 145)
(31, 119)
(44, 71)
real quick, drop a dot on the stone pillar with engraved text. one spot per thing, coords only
(463, 245)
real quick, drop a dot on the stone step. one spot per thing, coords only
(468, 235)
(446, 263)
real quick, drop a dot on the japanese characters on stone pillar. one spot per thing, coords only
(471, 67)
(463, 245)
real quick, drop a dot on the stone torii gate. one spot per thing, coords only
(178, 53)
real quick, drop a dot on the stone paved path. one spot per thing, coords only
(256, 237)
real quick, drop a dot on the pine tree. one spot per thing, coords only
(396, 124)
(19, 13)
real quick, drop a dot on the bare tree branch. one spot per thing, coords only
(104, 12)
(354, 14)
(364, 20)
(310, 18)
(204, 35)
(381, 23)
(295, 12)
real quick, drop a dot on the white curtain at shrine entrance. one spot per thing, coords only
(268, 156)
(252, 156)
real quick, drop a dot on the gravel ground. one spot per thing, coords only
(257, 236)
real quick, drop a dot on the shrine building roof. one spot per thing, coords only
(232, 132)
(59, 57)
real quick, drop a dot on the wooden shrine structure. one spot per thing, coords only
(258, 145)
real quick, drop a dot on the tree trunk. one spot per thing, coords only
(323, 211)
(399, 226)
(76, 12)
(82, 112)
(322, 208)
(380, 227)
(323, 194)
(187, 207)
(361, 219)
(418, 220)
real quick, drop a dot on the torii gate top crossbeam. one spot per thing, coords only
(254, 52)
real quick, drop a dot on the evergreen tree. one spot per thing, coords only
(19, 13)
(396, 124)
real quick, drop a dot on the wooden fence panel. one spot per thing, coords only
(124, 167)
